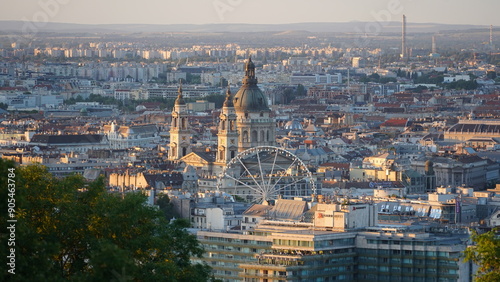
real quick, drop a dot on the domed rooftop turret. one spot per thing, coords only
(180, 99)
(249, 97)
(293, 125)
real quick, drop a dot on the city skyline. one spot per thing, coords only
(364, 150)
(258, 12)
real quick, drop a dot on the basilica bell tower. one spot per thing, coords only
(227, 133)
(180, 134)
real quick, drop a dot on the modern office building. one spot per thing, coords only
(309, 78)
(401, 256)
(330, 242)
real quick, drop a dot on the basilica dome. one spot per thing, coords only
(250, 98)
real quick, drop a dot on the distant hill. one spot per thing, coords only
(346, 27)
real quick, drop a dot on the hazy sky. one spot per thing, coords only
(481, 12)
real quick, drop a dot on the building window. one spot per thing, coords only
(254, 136)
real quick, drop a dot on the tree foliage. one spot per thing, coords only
(193, 79)
(491, 74)
(462, 84)
(68, 229)
(486, 254)
(289, 94)
(127, 105)
(218, 99)
(429, 78)
(375, 77)
(166, 207)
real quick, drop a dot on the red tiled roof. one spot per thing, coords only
(18, 88)
(490, 103)
(394, 123)
(48, 86)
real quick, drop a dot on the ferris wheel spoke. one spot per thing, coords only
(243, 183)
(272, 170)
(290, 184)
(256, 200)
(249, 173)
(281, 176)
(261, 173)
(280, 167)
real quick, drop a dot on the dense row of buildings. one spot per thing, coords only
(386, 195)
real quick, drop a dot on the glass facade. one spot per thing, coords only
(353, 257)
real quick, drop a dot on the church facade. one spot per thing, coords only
(245, 122)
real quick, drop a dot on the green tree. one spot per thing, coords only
(288, 95)
(385, 80)
(218, 99)
(68, 229)
(166, 206)
(224, 82)
(374, 77)
(301, 90)
(193, 79)
(462, 84)
(486, 254)
(491, 74)
(364, 79)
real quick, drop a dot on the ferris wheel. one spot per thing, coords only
(265, 173)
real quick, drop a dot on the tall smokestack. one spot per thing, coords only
(434, 49)
(491, 36)
(403, 40)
